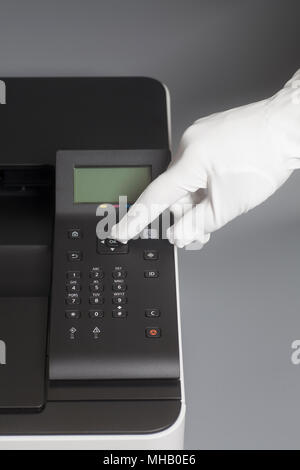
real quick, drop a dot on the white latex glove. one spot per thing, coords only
(226, 164)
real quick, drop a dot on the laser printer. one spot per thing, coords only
(90, 339)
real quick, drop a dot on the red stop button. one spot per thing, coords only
(153, 332)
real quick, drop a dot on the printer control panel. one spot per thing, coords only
(113, 306)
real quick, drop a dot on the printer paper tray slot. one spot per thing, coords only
(114, 390)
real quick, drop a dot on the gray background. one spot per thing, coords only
(240, 295)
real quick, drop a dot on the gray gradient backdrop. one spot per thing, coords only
(240, 295)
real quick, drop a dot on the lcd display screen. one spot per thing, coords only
(106, 184)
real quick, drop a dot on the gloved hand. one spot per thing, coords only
(226, 164)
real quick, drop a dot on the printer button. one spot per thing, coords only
(111, 247)
(151, 255)
(152, 312)
(95, 314)
(73, 274)
(74, 256)
(151, 274)
(74, 234)
(119, 287)
(96, 299)
(73, 300)
(96, 273)
(73, 288)
(119, 312)
(96, 287)
(119, 300)
(119, 274)
(72, 314)
(153, 332)
(111, 243)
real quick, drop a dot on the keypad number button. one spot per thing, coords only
(95, 314)
(72, 300)
(120, 274)
(119, 287)
(95, 300)
(73, 288)
(118, 300)
(73, 275)
(96, 273)
(96, 288)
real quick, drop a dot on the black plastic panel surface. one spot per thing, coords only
(120, 349)
(43, 115)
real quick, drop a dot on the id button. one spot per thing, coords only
(151, 274)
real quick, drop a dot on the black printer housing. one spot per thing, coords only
(42, 116)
